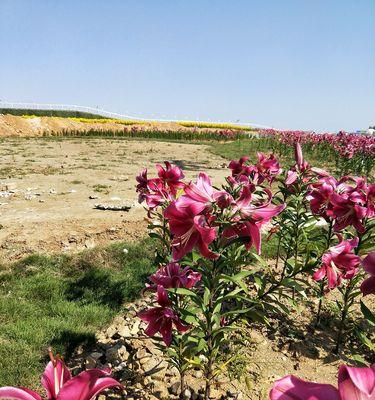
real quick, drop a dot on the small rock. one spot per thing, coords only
(111, 331)
(198, 374)
(175, 388)
(186, 394)
(117, 353)
(135, 328)
(124, 331)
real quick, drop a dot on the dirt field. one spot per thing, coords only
(46, 185)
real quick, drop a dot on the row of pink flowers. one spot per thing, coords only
(192, 210)
(347, 201)
(345, 144)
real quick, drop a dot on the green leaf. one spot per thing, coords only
(365, 340)
(369, 315)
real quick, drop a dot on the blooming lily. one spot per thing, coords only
(267, 168)
(161, 319)
(59, 384)
(339, 262)
(353, 384)
(250, 219)
(201, 195)
(320, 196)
(239, 167)
(174, 276)
(189, 230)
(368, 285)
(171, 176)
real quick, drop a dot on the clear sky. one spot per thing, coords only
(299, 64)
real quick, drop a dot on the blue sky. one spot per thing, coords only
(294, 64)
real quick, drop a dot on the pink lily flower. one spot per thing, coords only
(353, 384)
(189, 230)
(162, 319)
(291, 177)
(371, 200)
(347, 210)
(197, 195)
(267, 168)
(339, 263)
(224, 199)
(239, 167)
(368, 285)
(59, 384)
(174, 276)
(171, 176)
(250, 219)
(320, 196)
(200, 195)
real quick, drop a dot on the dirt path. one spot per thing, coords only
(47, 206)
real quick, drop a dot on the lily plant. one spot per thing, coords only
(60, 385)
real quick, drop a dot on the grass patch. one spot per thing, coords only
(285, 154)
(62, 301)
(99, 188)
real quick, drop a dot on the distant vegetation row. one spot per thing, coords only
(134, 132)
(49, 113)
(95, 118)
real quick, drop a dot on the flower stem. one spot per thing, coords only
(343, 317)
(321, 292)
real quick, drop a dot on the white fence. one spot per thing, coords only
(108, 114)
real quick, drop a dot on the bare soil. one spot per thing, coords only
(48, 206)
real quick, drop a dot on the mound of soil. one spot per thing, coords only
(11, 125)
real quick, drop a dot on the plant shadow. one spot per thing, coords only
(191, 166)
(97, 286)
(69, 341)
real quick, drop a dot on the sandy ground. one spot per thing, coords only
(47, 206)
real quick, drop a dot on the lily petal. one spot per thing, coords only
(12, 393)
(54, 377)
(86, 385)
(293, 388)
(357, 383)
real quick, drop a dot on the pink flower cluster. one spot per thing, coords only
(347, 202)
(162, 318)
(266, 169)
(159, 190)
(204, 218)
(345, 144)
(339, 263)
